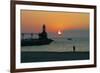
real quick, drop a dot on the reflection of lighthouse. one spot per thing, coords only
(43, 34)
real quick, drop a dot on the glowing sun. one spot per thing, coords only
(59, 32)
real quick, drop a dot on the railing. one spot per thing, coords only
(28, 34)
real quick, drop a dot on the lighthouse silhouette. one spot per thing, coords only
(43, 34)
(42, 40)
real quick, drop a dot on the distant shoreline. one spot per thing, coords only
(52, 56)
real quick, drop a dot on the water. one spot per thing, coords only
(53, 56)
(61, 45)
(59, 50)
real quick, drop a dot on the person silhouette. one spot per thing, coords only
(74, 48)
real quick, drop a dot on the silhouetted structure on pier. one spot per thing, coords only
(43, 34)
(42, 40)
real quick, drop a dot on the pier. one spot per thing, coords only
(31, 35)
(42, 38)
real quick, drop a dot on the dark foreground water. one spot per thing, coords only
(53, 56)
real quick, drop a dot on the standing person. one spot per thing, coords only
(74, 48)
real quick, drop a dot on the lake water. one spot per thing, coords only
(61, 45)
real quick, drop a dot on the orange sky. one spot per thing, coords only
(32, 21)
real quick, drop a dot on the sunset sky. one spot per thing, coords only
(32, 21)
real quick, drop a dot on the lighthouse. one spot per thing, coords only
(43, 34)
(44, 28)
(42, 40)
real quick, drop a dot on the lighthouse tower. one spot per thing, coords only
(44, 28)
(43, 34)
